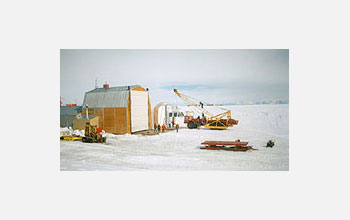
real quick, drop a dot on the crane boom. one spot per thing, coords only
(213, 121)
(190, 102)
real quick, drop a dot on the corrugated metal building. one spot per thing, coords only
(68, 114)
(121, 110)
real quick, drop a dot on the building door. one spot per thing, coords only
(139, 110)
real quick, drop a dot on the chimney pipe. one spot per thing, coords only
(87, 111)
(106, 86)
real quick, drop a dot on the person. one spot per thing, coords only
(270, 143)
(198, 122)
(204, 120)
(177, 128)
(201, 104)
(155, 128)
(163, 128)
(158, 128)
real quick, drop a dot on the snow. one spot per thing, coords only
(66, 131)
(180, 151)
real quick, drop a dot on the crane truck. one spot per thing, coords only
(208, 120)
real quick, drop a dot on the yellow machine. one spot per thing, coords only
(93, 134)
(70, 138)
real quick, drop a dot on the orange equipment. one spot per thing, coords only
(209, 120)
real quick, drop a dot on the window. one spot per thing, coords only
(175, 114)
(170, 114)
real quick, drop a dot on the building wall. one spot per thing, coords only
(115, 120)
(79, 124)
(66, 120)
(129, 116)
(112, 120)
(150, 126)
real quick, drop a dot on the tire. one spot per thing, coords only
(191, 125)
(87, 140)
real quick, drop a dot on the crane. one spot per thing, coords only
(209, 120)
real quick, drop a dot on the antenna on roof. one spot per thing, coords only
(96, 82)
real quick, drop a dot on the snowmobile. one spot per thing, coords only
(270, 143)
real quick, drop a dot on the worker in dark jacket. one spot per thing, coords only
(177, 128)
(158, 128)
(270, 143)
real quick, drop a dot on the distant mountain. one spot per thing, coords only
(278, 101)
(267, 102)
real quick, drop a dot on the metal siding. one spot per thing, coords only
(66, 120)
(68, 110)
(139, 110)
(110, 99)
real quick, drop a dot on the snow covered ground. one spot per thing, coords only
(180, 151)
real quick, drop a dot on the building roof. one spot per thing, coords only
(69, 110)
(116, 88)
(108, 98)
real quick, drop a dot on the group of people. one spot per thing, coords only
(161, 128)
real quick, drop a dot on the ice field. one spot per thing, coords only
(180, 151)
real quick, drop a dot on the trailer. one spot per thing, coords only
(236, 145)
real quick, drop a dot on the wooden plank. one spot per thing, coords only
(238, 148)
(224, 143)
(129, 115)
(149, 114)
(115, 120)
(108, 122)
(120, 121)
(79, 124)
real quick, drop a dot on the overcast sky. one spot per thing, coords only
(214, 76)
